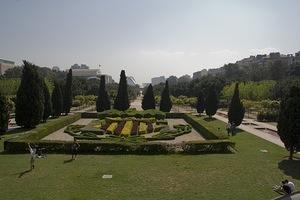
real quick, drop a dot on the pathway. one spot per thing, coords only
(62, 136)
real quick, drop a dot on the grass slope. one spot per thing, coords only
(248, 174)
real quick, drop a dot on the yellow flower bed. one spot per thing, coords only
(97, 126)
(143, 128)
(127, 128)
(112, 127)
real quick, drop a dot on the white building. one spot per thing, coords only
(86, 73)
(5, 65)
(108, 79)
(158, 80)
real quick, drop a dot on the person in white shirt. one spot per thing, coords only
(291, 185)
(32, 156)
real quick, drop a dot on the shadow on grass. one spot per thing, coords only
(209, 119)
(237, 131)
(16, 130)
(23, 173)
(68, 161)
(290, 168)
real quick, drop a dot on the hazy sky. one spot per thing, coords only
(147, 38)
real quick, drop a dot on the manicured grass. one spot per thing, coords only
(247, 174)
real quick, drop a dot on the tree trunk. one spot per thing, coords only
(291, 152)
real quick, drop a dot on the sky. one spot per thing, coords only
(147, 38)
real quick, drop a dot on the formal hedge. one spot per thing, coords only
(42, 130)
(208, 146)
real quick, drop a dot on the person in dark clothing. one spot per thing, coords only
(75, 148)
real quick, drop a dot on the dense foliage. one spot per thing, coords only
(4, 115)
(122, 101)
(236, 109)
(30, 97)
(67, 94)
(200, 103)
(165, 101)
(148, 101)
(57, 100)
(103, 102)
(211, 102)
(47, 102)
(289, 121)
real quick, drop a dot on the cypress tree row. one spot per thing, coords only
(289, 121)
(57, 100)
(103, 102)
(200, 103)
(67, 93)
(148, 101)
(30, 98)
(211, 102)
(47, 103)
(4, 116)
(122, 101)
(236, 109)
(165, 101)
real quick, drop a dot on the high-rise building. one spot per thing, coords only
(5, 65)
(131, 81)
(184, 79)
(158, 80)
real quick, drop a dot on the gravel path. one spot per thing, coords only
(60, 135)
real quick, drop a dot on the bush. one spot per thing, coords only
(208, 146)
(268, 116)
(73, 130)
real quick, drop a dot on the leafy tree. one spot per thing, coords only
(148, 101)
(200, 103)
(165, 101)
(4, 116)
(289, 121)
(122, 101)
(211, 102)
(57, 100)
(277, 70)
(47, 102)
(103, 102)
(30, 97)
(236, 109)
(68, 93)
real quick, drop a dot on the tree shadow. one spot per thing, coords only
(24, 172)
(290, 168)
(68, 161)
(209, 119)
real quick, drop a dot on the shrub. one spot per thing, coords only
(112, 127)
(142, 128)
(73, 130)
(208, 146)
(268, 116)
(120, 127)
(135, 127)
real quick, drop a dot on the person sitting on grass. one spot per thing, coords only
(74, 148)
(32, 156)
(284, 188)
(291, 185)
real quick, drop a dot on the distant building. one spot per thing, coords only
(5, 65)
(172, 80)
(184, 79)
(216, 71)
(86, 73)
(82, 66)
(108, 79)
(199, 74)
(297, 57)
(55, 69)
(131, 81)
(158, 80)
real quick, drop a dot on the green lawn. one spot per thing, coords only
(247, 174)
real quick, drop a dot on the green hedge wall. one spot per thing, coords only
(208, 146)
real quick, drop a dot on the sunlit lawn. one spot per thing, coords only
(247, 174)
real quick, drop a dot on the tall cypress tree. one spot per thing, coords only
(200, 103)
(211, 102)
(67, 93)
(103, 102)
(4, 116)
(148, 101)
(165, 101)
(57, 100)
(47, 102)
(122, 101)
(289, 121)
(30, 97)
(236, 109)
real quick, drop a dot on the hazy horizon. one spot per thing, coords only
(146, 38)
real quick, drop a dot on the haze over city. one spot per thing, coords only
(146, 38)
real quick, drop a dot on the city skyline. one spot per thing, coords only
(147, 39)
